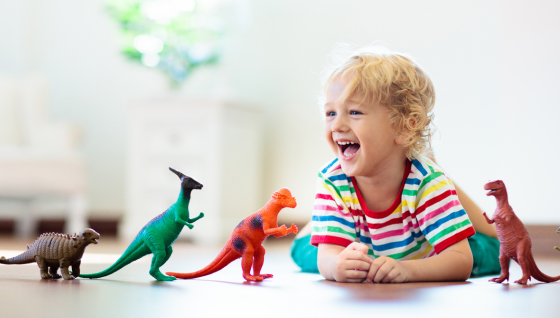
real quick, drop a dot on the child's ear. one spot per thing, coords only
(405, 132)
(401, 138)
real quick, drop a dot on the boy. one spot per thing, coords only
(381, 198)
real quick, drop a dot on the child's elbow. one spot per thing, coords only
(461, 260)
(466, 266)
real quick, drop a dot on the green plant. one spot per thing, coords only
(175, 36)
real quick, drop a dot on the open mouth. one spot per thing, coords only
(348, 148)
(491, 192)
(95, 241)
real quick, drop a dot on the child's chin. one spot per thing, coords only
(347, 170)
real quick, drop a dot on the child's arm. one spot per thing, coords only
(475, 214)
(452, 264)
(344, 265)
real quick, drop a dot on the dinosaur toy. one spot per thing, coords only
(515, 242)
(247, 237)
(54, 250)
(158, 235)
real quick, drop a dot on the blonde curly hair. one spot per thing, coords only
(395, 81)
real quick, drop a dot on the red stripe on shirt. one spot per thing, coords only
(433, 201)
(393, 221)
(321, 239)
(466, 233)
(324, 197)
(442, 209)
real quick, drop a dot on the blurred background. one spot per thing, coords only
(97, 101)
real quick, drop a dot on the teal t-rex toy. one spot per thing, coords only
(159, 234)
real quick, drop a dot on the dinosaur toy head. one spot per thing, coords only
(89, 236)
(495, 188)
(284, 198)
(186, 181)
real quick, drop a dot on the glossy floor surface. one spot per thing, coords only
(132, 292)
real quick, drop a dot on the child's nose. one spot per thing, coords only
(339, 124)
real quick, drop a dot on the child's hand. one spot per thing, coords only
(352, 264)
(387, 270)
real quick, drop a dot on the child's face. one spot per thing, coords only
(360, 135)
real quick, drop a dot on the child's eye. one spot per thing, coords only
(330, 114)
(355, 112)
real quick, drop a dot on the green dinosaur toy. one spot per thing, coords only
(158, 235)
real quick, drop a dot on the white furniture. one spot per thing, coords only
(215, 142)
(38, 158)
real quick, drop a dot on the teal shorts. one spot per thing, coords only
(485, 250)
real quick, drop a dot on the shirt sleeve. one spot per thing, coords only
(332, 222)
(440, 215)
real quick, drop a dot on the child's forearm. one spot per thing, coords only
(326, 259)
(453, 264)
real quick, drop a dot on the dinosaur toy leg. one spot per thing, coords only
(522, 247)
(53, 272)
(64, 264)
(76, 268)
(160, 256)
(504, 264)
(168, 252)
(258, 263)
(247, 263)
(43, 268)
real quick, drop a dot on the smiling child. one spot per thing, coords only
(383, 212)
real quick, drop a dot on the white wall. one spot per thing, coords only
(493, 64)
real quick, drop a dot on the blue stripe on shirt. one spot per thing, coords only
(439, 222)
(418, 166)
(330, 165)
(388, 246)
(412, 181)
(325, 218)
(338, 177)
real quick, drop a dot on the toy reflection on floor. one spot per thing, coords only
(52, 251)
(514, 239)
(159, 234)
(247, 237)
(558, 232)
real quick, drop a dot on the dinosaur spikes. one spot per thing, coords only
(179, 174)
(28, 246)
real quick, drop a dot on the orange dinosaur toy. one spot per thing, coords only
(247, 237)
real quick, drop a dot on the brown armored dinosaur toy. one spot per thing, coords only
(515, 242)
(247, 237)
(54, 250)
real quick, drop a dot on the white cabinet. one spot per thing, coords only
(215, 142)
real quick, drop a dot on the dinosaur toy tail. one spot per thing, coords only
(135, 251)
(537, 274)
(23, 258)
(225, 257)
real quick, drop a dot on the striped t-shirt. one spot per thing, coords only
(426, 218)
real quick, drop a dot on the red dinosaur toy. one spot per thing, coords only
(247, 237)
(515, 242)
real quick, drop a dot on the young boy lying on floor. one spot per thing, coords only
(384, 212)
